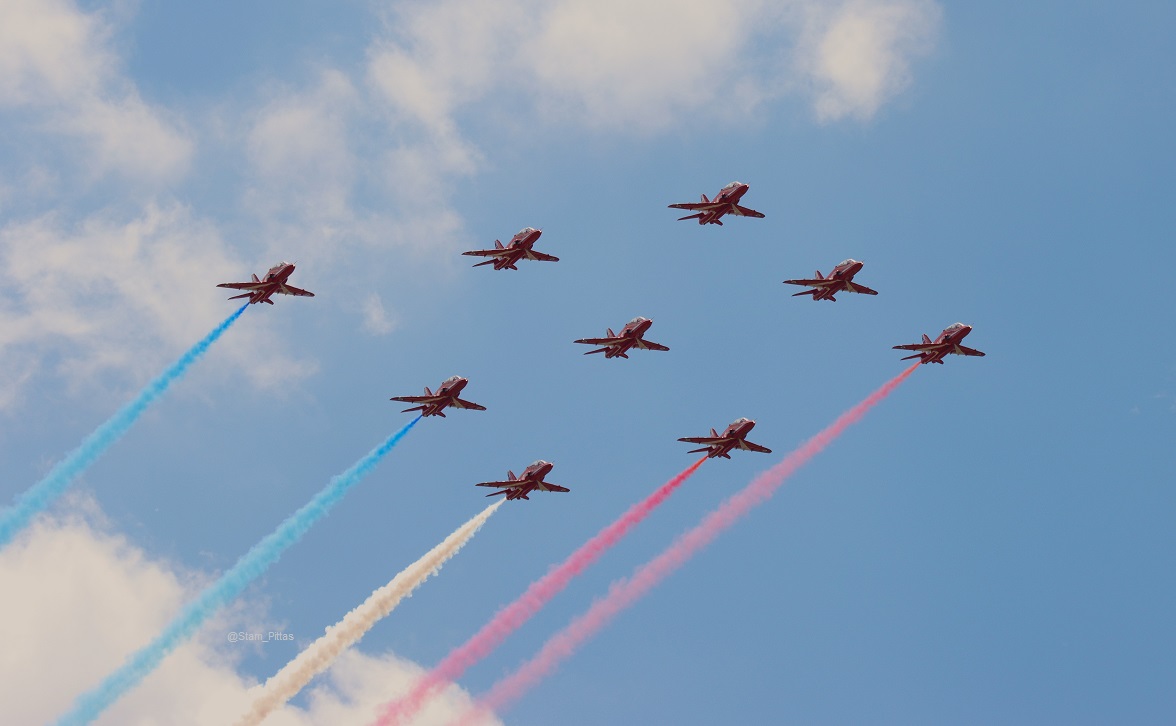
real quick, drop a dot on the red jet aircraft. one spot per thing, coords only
(841, 278)
(616, 345)
(518, 487)
(519, 248)
(711, 211)
(733, 438)
(260, 291)
(932, 351)
(446, 395)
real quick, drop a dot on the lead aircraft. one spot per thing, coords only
(519, 248)
(260, 291)
(734, 437)
(518, 487)
(711, 211)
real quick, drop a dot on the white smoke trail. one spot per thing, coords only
(316, 658)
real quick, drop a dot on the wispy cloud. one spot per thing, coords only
(56, 62)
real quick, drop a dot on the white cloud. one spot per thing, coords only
(858, 55)
(638, 63)
(376, 320)
(117, 296)
(642, 64)
(55, 59)
(78, 600)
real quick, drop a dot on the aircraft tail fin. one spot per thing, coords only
(691, 216)
(498, 245)
(818, 276)
(238, 297)
(267, 300)
(428, 392)
(611, 334)
(705, 200)
(805, 292)
(696, 451)
(255, 277)
(510, 475)
(916, 355)
(926, 340)
(714, 434)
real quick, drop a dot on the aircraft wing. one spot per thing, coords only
(854, 287)
(964, 350)
(542, 257)
(919, 346)
(706, 440)
(701, 206)
(243, 285)
(291, 290)
(487, 253)
(746, 212)
(553, 487)
(416, 399)
(599, 341)
(748, 446)
(649, 345)
(501, 484)
(809, 283)
(461, 403)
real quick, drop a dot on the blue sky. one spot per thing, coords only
(992, 544)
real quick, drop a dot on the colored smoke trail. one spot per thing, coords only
(39, 496)
(530, 602)
(90, 705)
(623, 593)
(319, 656)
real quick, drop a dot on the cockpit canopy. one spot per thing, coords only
(957, 326)
(451, 379)
(526, 231)
(743, 421)
(733, 185)
(636, 320)
(538, 463)
(846, 262)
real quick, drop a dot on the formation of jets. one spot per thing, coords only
(617, 345)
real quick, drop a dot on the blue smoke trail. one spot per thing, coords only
(39, 496)
(90, 705)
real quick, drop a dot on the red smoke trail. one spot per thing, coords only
(623, 593)
(530, 602)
